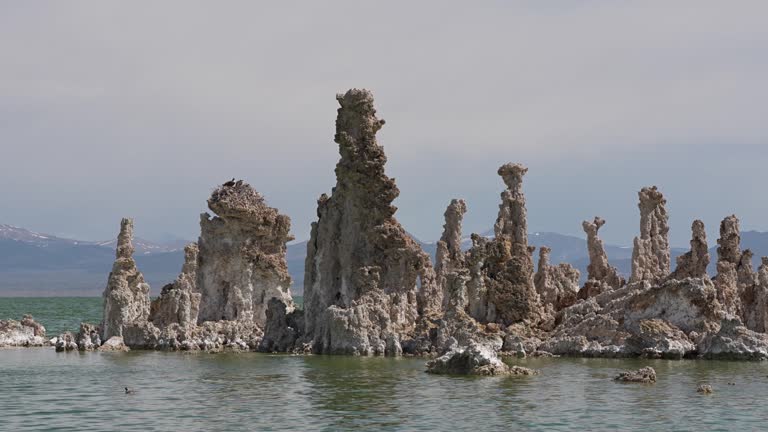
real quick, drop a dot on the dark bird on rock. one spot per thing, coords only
(239, 183)
(230, 183)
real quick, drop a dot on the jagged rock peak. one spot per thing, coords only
(694, 262)
(241, 261)
(362, 269)
(512, 213)
(179, 301)
(728, 263)
(729, 248)
(360, 171)
(651, 255)
(450, 241)
(556, 285)
(125, 247)
(599, 269)
(449, 256)
(126, 296)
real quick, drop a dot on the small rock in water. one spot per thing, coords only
(705, 389)
(643, 375)
(475, 359)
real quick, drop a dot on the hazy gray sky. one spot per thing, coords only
(111, 109)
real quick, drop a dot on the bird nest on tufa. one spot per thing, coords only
(238, 196)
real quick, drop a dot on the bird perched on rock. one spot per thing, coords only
(230, 183)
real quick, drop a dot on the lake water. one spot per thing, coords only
(44, 390)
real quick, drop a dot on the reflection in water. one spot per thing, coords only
(44, 390)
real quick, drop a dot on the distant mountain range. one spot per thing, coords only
(36, 264)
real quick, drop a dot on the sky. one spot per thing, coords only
(111, 109)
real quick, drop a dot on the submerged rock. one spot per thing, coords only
(241, 261)
(24, 333)
(645, 375)
(363, 271)
(126, 297)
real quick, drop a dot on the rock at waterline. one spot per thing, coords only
(474, 359)
(704, 389)
(645, 375)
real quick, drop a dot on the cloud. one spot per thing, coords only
(110, 109)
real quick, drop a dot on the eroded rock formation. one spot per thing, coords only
(475, 359)
(557, 285)
(126, 297)
(501, 288)
(362, 268)
(728, 261)
(24, 333)
(650, 256)
(694, 262)
(179, 303)
(241, 262)
(449, 257)
(601, 276)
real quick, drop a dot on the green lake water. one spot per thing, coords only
(44, 390)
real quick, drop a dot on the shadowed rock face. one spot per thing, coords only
(126, 297)
(241, 262)
(501, 287)
(362, 268)
(179, 302)
(650, 256)
(694, 262)
(449, 257)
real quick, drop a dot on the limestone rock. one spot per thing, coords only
(638, 319)
(24, 333)
(651, 256)
(362, 272)
(241, 260)
(601, 276)
(282, 329)
(734, 341)
(126, 297)
(728, 261)
(179, 302)
(756, 305)
(556, 285)
(88, 338)
(115, 344)
(704, 388)
(449, 256)
(694, 262)
(66, 342)
(501, 287)
(646, 375)
(657, 338)
(474, 359)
